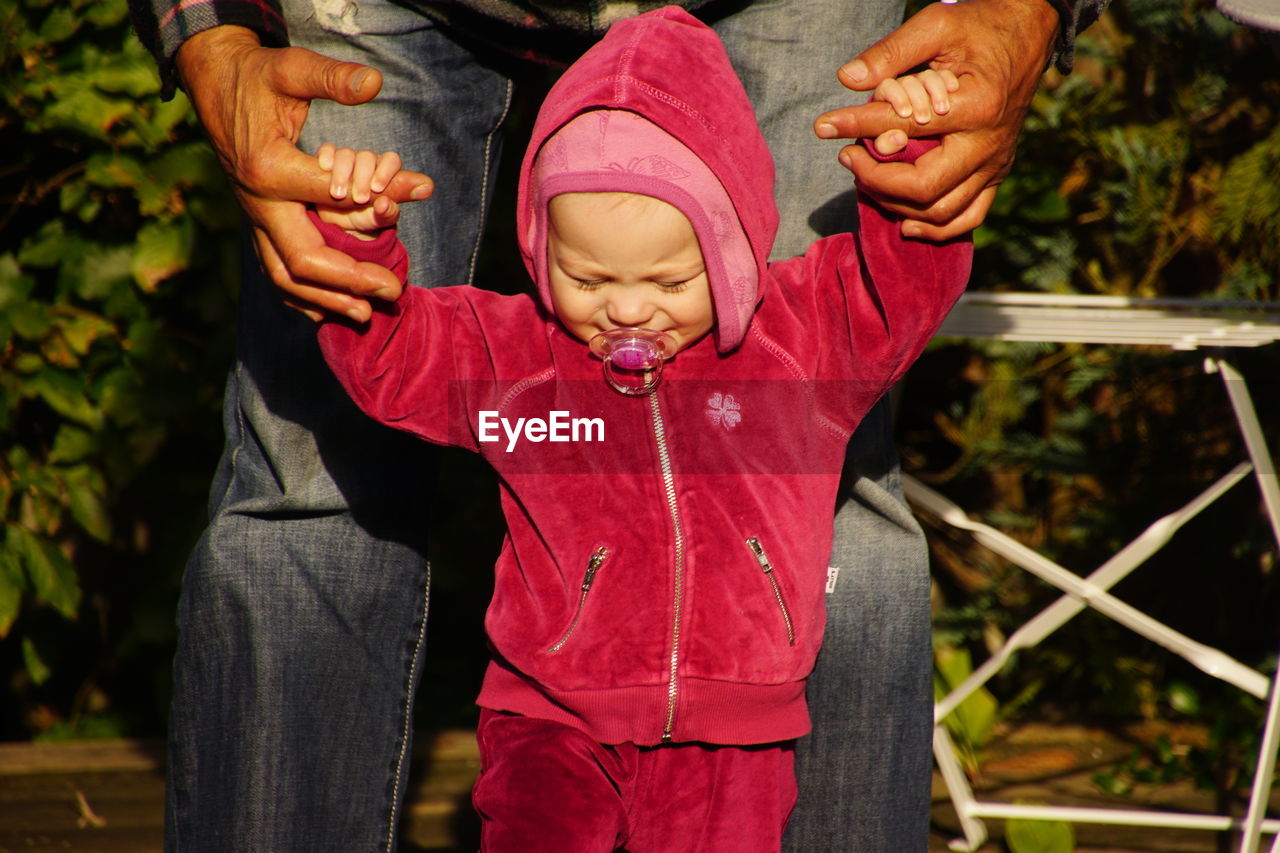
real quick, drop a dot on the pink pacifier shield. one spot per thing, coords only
(633, 358)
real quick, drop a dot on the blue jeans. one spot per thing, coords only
(303, 609)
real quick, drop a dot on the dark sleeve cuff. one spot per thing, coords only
(1076, 16)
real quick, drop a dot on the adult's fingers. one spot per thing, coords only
(867, 120)
(964, 222)
(295, 255)
(932, 178)
(316, 303)
(942, 210)
(314, 300)
(920, 39)
(972, 106)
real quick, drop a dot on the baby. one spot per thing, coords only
(668, 418)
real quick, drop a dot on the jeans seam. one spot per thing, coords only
(407, 714)
(242, 431)
(485, 181)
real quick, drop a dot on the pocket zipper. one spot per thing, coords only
(593, 566)
(763, 559)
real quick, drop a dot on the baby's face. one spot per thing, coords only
(619, 259)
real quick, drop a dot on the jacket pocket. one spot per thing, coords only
(594, 563)
(757, 550)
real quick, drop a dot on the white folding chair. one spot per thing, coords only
(1184, 324)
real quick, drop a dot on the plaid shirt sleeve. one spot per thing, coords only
(163, 25)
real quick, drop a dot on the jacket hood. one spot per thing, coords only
(674, 123)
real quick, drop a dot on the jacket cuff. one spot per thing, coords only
(385, 250)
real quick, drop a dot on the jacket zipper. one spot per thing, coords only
(669, 486)
(593, 566)
(763, 559)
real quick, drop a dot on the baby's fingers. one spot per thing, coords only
(938, 86)
(388, 165)
(921, 110)
(366, 221)
(892, 92)
(359, 174)
(362, 175)
(891, 142)
(325, 155)
(385, 212)
(344, 161)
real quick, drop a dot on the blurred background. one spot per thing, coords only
(1152, 170)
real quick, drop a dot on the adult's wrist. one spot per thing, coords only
(1066, 20)
(1065, 12)
(1059, 28)
(1041, 22)
(211, 49)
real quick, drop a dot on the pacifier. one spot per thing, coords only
(633, 358)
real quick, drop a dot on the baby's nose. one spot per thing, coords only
(627, 308)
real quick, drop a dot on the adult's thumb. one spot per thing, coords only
(307, 75)
(916, 42)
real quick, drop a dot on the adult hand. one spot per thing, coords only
(998, 50)
(252, 101)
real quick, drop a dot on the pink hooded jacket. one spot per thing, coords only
(663, 573)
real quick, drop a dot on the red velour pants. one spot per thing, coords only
(545, 787)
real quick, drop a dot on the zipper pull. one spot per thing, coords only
(593, 566)
(756, 548)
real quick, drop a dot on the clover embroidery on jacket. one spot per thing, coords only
(723, 410)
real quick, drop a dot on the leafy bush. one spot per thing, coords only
(1152, 171)
(118, 248)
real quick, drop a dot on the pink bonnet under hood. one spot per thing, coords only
(671, 69)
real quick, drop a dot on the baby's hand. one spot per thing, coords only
(918, 96)
(361, 176)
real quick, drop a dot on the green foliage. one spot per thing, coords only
(1039, 836)
(1152, 171)
(970, 724)
(1224, 758)
(1249, 202)
(116, 229)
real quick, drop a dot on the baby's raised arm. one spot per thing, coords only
(357, 178)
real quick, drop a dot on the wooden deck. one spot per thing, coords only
(107, 796)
